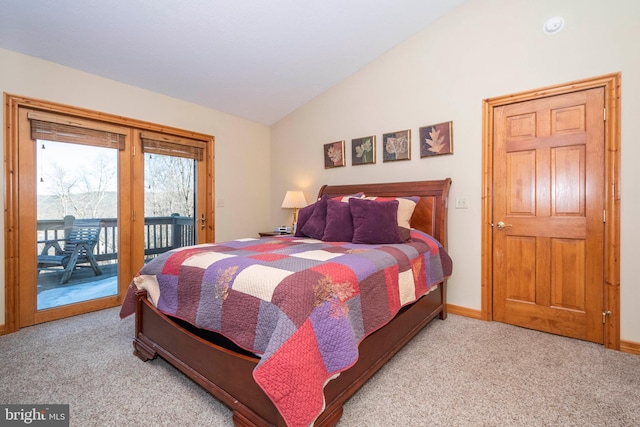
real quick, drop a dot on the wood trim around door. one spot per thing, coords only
(611, 285)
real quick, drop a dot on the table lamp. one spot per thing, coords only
(294, 200)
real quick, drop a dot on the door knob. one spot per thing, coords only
(501, 225)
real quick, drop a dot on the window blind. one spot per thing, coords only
(51, 127)
(169, 145)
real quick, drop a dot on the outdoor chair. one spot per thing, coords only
(74, 251)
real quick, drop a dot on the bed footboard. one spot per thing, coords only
(227, 374)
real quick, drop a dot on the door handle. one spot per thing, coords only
(501, 225)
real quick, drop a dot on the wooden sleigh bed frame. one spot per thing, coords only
(225, 371)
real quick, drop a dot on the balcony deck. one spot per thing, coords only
(161, 234)
(83, 285)
(51, 279)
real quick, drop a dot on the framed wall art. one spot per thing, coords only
(363, 150)
(436, 139)
(334, 155)
(396, 146)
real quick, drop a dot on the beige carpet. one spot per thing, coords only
(458, 372)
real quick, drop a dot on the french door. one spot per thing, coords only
(89, 201)
(77, 216)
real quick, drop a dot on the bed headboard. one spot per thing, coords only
(430, 214)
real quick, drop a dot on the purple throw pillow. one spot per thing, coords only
(406, 207)
(303, 216)
(374, 222)
(339, 227)
(314, 226)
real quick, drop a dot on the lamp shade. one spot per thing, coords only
(294, 200)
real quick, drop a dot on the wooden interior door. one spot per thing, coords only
(549, 214)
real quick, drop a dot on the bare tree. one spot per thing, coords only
(93, 183)
(80, 188)
(85, 190)
(63, 186)
(169, 185)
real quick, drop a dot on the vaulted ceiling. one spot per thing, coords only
(256, 59)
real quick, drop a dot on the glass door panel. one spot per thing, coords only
(169, 203)
(77, 223)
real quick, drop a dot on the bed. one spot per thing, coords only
(258, 381)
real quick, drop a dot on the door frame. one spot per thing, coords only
(611, 284)
(133, 253)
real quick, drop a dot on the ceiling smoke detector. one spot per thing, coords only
(553, 25)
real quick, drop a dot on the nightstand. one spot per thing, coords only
(273, 233)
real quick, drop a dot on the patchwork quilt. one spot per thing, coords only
(302, 305)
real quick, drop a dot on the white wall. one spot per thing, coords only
(242, 147)
(484, 49)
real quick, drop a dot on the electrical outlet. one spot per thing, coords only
(462, 203)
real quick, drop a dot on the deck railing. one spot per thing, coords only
(161, 234)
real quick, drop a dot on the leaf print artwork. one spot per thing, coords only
(334, 154)
(435, 143)
(397, 146)
(363, 150)
(436, 139)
